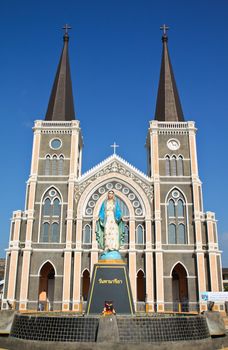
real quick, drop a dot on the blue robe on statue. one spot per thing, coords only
(101, 223)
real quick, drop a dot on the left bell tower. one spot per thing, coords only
(43, 232)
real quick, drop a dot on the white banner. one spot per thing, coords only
(214, 296)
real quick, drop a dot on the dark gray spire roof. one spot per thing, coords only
(168, 106)
(61, 103)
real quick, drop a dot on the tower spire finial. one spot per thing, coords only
(164, 28)
(66, 27)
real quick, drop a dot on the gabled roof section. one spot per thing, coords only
(168, 106)
(61, 103)
(120, 162)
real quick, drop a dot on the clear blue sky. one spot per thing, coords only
(115, 53)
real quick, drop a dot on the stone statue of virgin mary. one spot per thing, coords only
(110, 226)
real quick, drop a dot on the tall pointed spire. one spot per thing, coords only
(168, 106)
(61, 103)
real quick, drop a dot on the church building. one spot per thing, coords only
(171, 244)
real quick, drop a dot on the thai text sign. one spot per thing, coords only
(214, 296)
(113, 281)
(110, 282)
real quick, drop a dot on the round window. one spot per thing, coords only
(56, 143)
(175, 194)
(52, 193)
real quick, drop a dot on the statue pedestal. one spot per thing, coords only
(110, 282)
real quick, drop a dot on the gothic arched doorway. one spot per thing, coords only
(141, 288)
(85, 284)
(46, 287)
(179, 288)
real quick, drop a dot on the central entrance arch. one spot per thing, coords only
(180, 288)
(46, 287)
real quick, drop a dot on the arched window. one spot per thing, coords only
(140, 235)
(87, 234)
(55, 232)
(181, 234)
(173, 166)
(56, 207)
(50, 217)
(47, 165)
(180, 166)
(47, 207)
(54, 165)
(172, 233)
(126, 235)
(61, 162)
(167, 166)
(171, 209)
(180, 209)
(45, 232)
(176, 218)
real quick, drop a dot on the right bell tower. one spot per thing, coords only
(185, 237)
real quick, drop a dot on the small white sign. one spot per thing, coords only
(214, 296)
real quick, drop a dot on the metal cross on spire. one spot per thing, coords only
(66, 28)
(114, 146)
(164, 28)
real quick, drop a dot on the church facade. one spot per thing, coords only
(171, 244)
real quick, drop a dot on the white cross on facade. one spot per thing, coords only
(114, 146)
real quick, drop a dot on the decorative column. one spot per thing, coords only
(197, 211)
(17, 218)
(68, 249)
(132, 259)
(157, 216)
(210, 220)
(80, 161)
(94, 253)
(149, 269)
(77, 267)
(30, 216)
(70, 207)
(4, 304)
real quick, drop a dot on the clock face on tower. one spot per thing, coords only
(173, 144)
